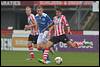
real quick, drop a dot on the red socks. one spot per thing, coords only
(45, 54)
(31, 50)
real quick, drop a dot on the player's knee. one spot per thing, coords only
(50, 43)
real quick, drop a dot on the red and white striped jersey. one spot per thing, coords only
(59, 23)
(30, 18)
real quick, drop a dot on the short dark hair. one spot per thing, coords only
(39, 7)
(28, 7)
(59, 9)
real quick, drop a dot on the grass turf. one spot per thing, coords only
(17, 58)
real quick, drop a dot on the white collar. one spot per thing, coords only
(43, 14)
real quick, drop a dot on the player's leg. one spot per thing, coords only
(72, 44)
(39, 41)
(52, 50)
(42, 47)
(42, 44)
(35, 45)
(30, 47)
(49, 43)
(32, 39)
(66, 40)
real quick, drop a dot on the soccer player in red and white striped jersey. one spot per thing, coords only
(32, 25)
(60, 23)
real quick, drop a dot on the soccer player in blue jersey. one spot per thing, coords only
(43, 20)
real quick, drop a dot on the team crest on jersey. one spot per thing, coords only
(43, 19)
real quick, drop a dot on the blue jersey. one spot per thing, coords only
(43, 21)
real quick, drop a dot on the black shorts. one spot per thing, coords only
(62, 38)
(33, 38)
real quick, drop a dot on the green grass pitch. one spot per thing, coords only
(17, 58)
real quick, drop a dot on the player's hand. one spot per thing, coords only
(26, 27)
(69, 32)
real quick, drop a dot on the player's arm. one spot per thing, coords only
(31, 25)
(66, 25)
(34, 25)
(51, 27)
(51, 23)
(33, 22)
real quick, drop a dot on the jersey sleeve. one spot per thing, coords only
(32, 17)
(48, 19)
(65, 21)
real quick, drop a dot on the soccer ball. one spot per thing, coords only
(58, 60)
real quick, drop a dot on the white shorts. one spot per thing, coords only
(43, 37)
